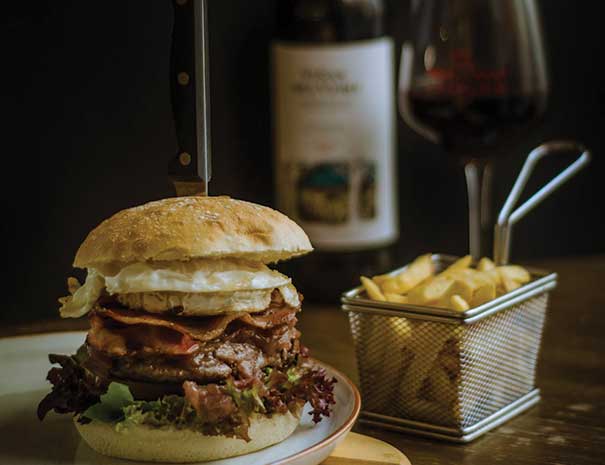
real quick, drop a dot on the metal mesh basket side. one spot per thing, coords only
(408, 368)
(450, 375)
(498, 359)
(372, 335)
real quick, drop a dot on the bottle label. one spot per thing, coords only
(334, 141)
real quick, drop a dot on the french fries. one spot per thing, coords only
(426, 356)
(458, 303)
(509, 285)
(459, 287)
(419, 270)
(415, 273)
(485, 264)
(430, 292)
(372, 289)
(514, 273)
(400, 299)
(460, 264)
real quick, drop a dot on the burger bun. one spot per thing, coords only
(167, 444)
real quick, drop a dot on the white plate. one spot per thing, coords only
(24, 440)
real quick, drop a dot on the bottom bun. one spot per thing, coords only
(167, 444)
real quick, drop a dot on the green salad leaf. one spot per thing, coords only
(169, 410)
(294, 374)
(249, 400)
(278, 391)
(111, 406)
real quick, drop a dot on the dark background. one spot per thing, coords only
(87, 131)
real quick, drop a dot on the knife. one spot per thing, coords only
(189, 169)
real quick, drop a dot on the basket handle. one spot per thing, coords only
(507, 218)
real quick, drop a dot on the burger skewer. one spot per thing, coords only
(190, 169)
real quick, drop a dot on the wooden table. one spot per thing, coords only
(567, 427)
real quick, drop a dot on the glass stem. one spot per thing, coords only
(478, 185)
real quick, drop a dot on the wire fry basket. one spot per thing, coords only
(456, 375)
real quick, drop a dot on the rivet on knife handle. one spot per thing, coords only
(189, 168)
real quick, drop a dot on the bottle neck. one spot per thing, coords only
(321, 21)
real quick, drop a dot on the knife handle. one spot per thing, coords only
(190, 92)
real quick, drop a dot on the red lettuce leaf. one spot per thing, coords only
(74, 388)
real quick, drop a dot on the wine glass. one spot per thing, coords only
(473, 78)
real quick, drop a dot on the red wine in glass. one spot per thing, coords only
(477, 127)
(473, 79)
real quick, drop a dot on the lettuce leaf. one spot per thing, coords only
(176, 412)
(294, 374)
(78, 390)
(111, 406)
(298, 385)
(169, 410)
(74, 387)
(249, 400)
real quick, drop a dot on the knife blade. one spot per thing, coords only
(189, 169)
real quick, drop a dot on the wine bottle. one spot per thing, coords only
(334, 138)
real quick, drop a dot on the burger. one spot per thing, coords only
(192, 352)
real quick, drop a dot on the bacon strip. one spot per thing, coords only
(204, 329)
(118, 331)
(201, 329)
(270, 318)
(119, 341)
